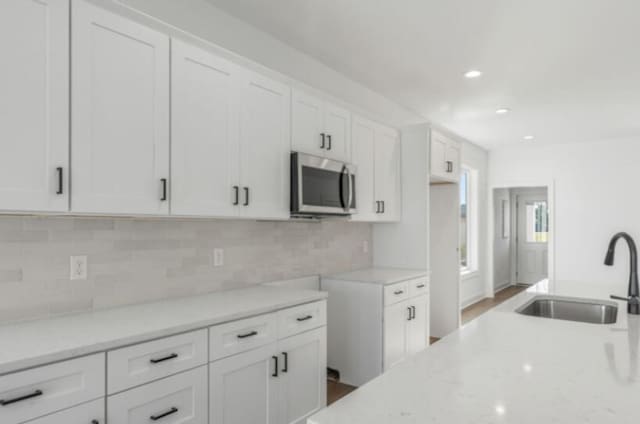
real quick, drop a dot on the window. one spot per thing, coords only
(537, 222)
(468, 220)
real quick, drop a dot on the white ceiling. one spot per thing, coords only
(568, 69)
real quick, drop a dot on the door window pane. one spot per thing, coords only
(537, 222)
(464, 222)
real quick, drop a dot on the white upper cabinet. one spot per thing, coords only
(34, 105)
(445, 158)
(363, 156)
(230, 138)
(205, 133)
(320, 128)
(376, 154)
(265, 119)
(120, 114)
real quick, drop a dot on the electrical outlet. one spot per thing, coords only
(365, 246)
(78, 268)
(218, 257)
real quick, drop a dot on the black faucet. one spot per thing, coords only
(633, 299)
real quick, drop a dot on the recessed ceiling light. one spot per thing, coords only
(528, 137)
(502, 111)
(473, 73)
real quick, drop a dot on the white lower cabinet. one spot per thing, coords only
(180, 399)
(283, 382)
(374, 324)
(303, 375)
(243, 388)
(88, 413)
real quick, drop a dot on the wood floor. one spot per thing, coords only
(337, 390)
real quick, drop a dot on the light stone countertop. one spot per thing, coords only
(504, 367)
(31, 343)
(382, 276)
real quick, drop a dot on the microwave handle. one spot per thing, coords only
(346, 202)
(350, 202)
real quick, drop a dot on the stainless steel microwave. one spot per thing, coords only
(321, 186)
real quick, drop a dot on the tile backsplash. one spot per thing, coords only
(140, 260)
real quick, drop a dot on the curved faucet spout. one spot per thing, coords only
(633, 301)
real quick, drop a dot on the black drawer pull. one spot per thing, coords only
(397, 292)
(420, 286)
(173, 410)
(308, 317)
(5, 402)
(164, 358)
(59, 170)
(285, 355)
(236, 194)
(163, 197)
(322, 144)
(244, 336)
(275, 369)
(329, 138)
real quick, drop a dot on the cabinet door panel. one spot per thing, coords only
(120, 114)
(396, 317)
(438, 155)
(337, 123)
(453, 156)
(363, 156)
(307, 124)
(243, 389)
(304, 376)
(204, 147)
(34, 104)
(418, 327)
(264, 148)
(387, 168)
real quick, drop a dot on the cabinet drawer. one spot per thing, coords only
(301, 318)
(418, 287)
(88, 413)
(179, 399)
(395, 293)
(145, 362)
(32, 393)
(239, 336)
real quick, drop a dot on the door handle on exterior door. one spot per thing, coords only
(246, 196)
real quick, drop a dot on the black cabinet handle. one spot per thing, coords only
(377, 206)
(164, 358)
(449, 166)
(246, 196)
(420, 286)
(413, 316)
(329, 140)
(323, 136)
(163, 181)
(60, 172)
(5, 402)
(244, 336)
(308, 317)
(409, 309)
(95, 422)
(285, 355)
(236, 195)
(173, 410)
(397, 292)
(275, 368)
(382, 201)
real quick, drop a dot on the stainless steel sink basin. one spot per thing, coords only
(582, 310)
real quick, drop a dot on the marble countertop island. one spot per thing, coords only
(505, 367)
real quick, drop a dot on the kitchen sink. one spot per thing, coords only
(581, 310)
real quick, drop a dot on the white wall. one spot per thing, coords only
(501, 245)
(473, 285)
(209, 23)
(594, 193)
